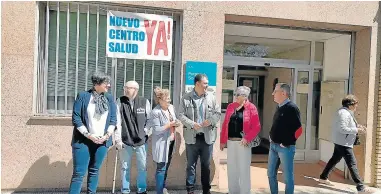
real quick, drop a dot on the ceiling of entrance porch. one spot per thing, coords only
(277, 33)
(275, 40)
(272, 45)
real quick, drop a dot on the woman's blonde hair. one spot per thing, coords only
(160, 94)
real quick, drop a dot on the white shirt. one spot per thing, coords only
(96, 127)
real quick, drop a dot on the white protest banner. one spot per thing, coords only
(139, 36)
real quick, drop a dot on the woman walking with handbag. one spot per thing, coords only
(239, 131)
(345, 135)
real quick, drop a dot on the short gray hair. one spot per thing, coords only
(99, 78)
(132, 84)
(286, 88)
(243, 91)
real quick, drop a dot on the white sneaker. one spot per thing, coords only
(165, 191)
(369, 190)
(326, 182)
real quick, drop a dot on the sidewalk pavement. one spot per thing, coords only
(298, 190)
(305, 182)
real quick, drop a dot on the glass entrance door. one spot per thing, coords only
(229, 84)
(253, 83)
(305, 94)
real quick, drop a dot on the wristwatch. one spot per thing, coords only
(86, 134)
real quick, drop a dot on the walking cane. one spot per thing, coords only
(116, 163)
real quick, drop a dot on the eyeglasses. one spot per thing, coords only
(239, 95)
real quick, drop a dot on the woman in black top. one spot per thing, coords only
(241, 126)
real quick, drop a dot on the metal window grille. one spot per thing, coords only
(73, 46)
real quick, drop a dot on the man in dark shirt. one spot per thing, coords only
(286, 129)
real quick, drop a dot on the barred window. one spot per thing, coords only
(72, 46)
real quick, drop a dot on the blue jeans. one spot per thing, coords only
(87, 156)
(141, 160)
(162, 170)
(286, 156)
(194, 151)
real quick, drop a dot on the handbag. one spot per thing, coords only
(255, 142)
(357, 140)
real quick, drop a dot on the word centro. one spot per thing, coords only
(117, 47)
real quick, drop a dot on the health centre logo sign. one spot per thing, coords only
(193, 68)
(139, 36)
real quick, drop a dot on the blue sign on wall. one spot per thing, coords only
(193, 68)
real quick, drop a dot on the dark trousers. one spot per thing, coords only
(87, 156)
(162, 170)
(350, 160)
(194, 151)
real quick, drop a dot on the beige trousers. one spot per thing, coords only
(239, 160)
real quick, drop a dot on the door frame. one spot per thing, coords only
(296, 66)
(251, 77)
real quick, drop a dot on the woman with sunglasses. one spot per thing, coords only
(241, 125)
(163, 122)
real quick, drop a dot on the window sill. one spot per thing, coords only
(50, 120)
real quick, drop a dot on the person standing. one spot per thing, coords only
(131, 135)
(200, 114)
(94, 120)
(163, 122)
(344, 131)
(285, 130)
(241, 125)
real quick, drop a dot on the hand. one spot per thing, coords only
(119, 145)
(94, 139)
(281, 145)
(104, 138)
(361, 129)
(244, 142)
(222, 146)
(177, 123)
(170, 125)
(196, 126)
(205, 123)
